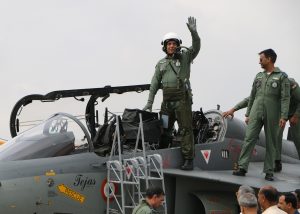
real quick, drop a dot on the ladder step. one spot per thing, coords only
(133, 175)
(151, 178)
(129, 206)
(113, 211)
(124, 182)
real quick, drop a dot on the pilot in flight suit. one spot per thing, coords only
(154, 198)
(268, 106)
(294, 114)
(142, 208)
(173, 73)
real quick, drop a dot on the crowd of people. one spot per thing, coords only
(267, 201)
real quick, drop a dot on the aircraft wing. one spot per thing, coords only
(287, 180)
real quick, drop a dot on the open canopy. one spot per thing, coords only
(83, 103)
(61, 134)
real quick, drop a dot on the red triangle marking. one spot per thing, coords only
(206, 153)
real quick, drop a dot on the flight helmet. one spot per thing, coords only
(171, 36)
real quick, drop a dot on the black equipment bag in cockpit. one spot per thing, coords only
(151, 125)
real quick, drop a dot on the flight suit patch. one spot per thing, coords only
(274, 84)
(258, 83)
(163, 68)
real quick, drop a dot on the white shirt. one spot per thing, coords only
(273, 210)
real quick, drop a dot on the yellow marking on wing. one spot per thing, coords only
(71, 193)
(50, 173)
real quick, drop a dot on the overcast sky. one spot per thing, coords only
(48, 45)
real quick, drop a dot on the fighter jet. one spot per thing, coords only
(76, 164)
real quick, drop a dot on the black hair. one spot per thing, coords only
(270, 194)
(151, 191)
(297, 191)
(290, 198)
(269, 53)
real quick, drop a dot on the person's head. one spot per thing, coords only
(267, 57)
(171, 42)
(288, 202)
(248, 203)
(267, 197)
(297, 192)
(155, 196)
(244, 189)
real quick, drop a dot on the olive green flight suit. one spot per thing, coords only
(294, 109)
(242, 104)
(173, 73)
(268, 103)
(142, 208)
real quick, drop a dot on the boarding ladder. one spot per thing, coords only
(133, 175)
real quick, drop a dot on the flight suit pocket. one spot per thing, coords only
(257, 85)
(274, 87)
